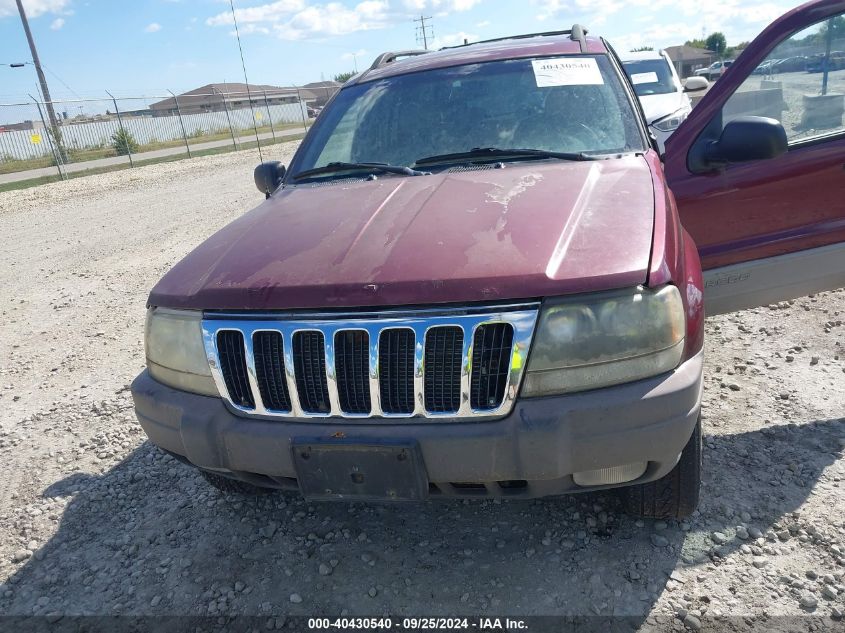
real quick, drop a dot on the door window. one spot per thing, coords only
(801, 84)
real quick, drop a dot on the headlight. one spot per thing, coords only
(670, 123)
(175, 351)
(605, 339)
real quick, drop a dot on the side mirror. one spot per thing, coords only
(748, 138)
(694, 84)
(268, 176)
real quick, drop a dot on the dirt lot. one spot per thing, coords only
(94, 520)
(794, 86)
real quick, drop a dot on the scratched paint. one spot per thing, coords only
(501, 196)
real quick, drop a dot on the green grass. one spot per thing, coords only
(25, 164)
(34, 182)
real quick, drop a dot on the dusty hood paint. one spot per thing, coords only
(525, 231)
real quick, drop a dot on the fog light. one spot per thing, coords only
(611, 475)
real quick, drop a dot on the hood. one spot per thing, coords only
(528, 230)
(658, 106)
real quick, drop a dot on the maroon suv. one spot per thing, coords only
(478, 277)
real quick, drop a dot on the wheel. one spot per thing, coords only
(226, 484)
(675, 495)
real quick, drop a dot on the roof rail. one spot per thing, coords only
(577, 33)
(390, 57)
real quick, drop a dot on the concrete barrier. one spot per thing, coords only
(765, 102)
(823, 112)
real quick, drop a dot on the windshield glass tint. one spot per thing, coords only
(494, 104)
(650, 77)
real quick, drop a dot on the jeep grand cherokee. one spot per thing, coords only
(474, 279)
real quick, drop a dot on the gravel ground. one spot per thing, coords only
(795, 85)
(95, 520)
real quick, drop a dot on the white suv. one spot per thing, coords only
(663, 99)
(714, 70)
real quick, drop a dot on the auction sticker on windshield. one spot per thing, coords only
(644, 78)
(566, 71)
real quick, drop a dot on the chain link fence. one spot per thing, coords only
(104, 133)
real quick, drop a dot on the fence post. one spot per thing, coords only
(229, 119)
(56, 157)
(302, 110)
(181, 123)
(123, 129)
(269, 116)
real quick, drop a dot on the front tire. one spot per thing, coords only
(233, 486)
(674, 496)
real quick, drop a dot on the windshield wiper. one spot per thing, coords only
(340, 166)
(498, 152)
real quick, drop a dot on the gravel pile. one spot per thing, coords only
(94, 520)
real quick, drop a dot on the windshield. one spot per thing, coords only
(650, 77)
(565, 104)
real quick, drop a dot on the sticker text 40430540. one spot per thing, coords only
(567, 71)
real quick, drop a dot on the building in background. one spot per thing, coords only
(688, 59)
(232, 96)
(24, 125)
(323, 91)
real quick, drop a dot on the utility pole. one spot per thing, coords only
(424, 31)
(48, 101)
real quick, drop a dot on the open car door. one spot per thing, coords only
(757, 168)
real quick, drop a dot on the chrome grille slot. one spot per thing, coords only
(230, 344)
(396, 370)
(440, 364)
(351, 357)
(443, 359)
(309, 356)
(270, 370)
(491, 364)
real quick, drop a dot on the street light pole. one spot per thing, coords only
(51, 114)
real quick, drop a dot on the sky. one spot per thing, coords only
(145, 47)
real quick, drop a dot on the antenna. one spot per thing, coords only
(246, 81)
(424, 32)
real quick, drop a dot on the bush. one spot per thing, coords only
(123, 142)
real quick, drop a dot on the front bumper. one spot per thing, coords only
(533, 451)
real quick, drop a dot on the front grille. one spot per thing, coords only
(270, 370)
(396, 371)
(491, 364)
(309, 356)
(352, 359)
(230, 344)
(433, 364)
(443, 357)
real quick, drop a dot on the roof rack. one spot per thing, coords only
(390, 57)
(577, 33)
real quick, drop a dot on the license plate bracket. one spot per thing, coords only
(353, 470)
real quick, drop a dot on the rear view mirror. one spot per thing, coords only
(268, 176)
(694, 84)
(748, 138)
